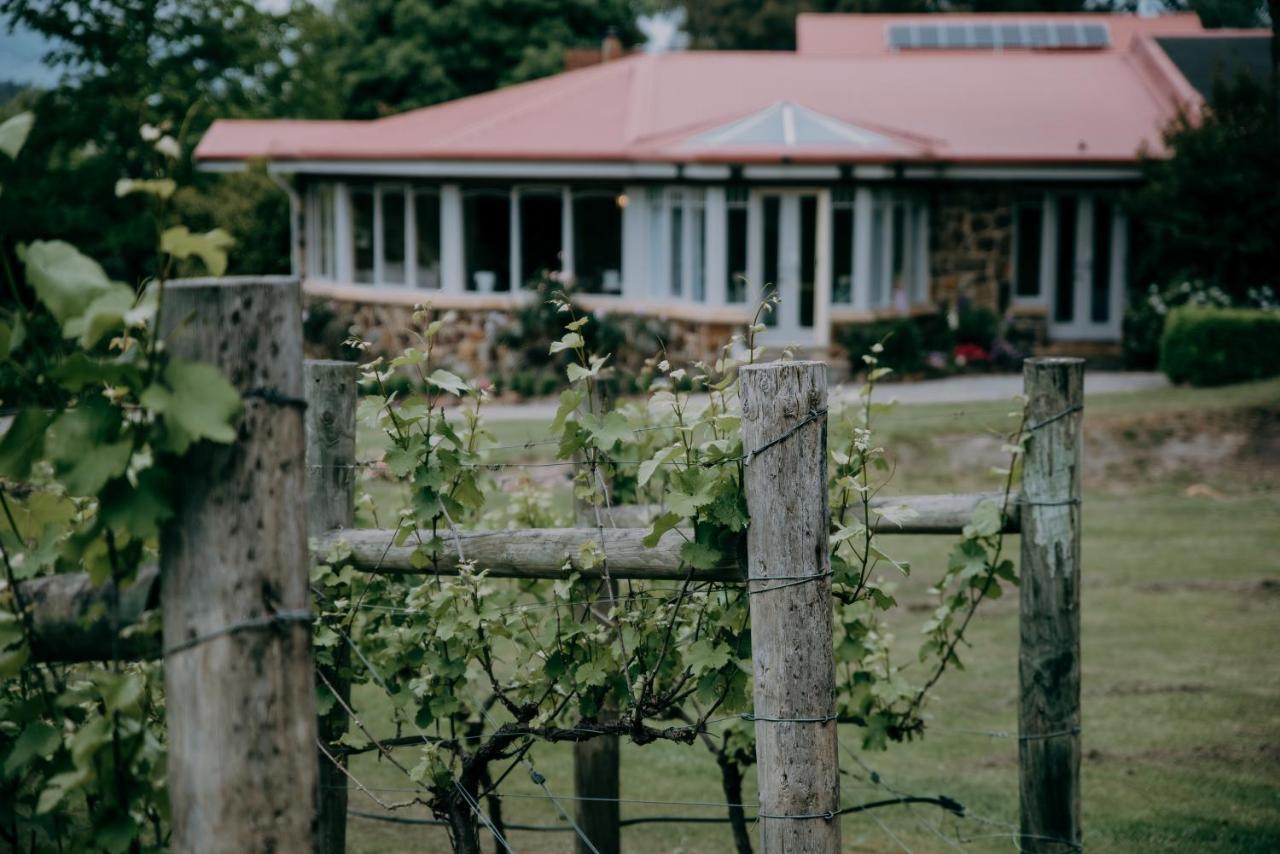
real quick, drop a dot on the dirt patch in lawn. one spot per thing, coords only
(1204, 450)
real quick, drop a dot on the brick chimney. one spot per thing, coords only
(611, 47)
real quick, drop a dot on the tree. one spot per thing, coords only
(127, 63)
(399, 54)
(1211, 211)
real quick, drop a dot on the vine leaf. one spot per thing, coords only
(37, 740)
(210, 247)
(607, 431)
(13, 133)
(64, 279)
(23, 443)
(985, 521)
(700, 555)
(661, 525)
(198, 403)
(450, 382)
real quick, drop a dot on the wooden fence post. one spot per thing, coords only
(239, 694)
(331, 478)
(787, 543)
(596, 761)
(1049, 655)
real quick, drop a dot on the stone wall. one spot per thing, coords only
(472, 342)
(971, 246)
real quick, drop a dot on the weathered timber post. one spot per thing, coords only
(784, 433)
(331, 478)
(1049, 655)
(238, 674)
(596, 761)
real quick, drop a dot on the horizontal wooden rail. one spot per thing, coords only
(934, 514)
(527, 553)
(72, 618)
(543, 552)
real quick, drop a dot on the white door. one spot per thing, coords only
(1090, 239)
(791, 262)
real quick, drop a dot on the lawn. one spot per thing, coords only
(1181, 620)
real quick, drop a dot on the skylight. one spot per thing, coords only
(790, 125)
(998, 35)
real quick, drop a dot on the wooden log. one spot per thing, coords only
(71, 617)
(907, 514)
(331, 479)
(528, 553)
(239, 697)
(1049, 618)
(792, 660)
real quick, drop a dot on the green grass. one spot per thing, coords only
(1181, 696)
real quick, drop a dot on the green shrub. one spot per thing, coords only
(976, 325)
(1214, 346)
(903, 344)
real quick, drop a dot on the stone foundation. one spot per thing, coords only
(484, 344)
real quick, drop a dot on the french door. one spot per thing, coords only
(788, 244)
(1086, 258)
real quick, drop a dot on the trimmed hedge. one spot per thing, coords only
(1214, 346)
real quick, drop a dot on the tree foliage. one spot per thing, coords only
(1211, 211)
(398, 54)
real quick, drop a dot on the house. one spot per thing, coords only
(891, 164)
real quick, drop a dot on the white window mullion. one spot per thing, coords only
(921, 272)
(1048, 252)
(885, 286)
(452, 247)
(635, 241)
(379, 272)
(343, 234)
(863, 202)
(716, 261)
(410, 237)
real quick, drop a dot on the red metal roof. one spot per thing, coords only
(1078, 106)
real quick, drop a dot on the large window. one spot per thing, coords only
(323, 250)
(541, 224)
(427, 238)
(362, 234)
(486, 231)
(1100, 280)
(771, 209)
(1064, 301)
(393, 216)
(843, 219)
(1028, 226)
(899, 265)
(597, 240)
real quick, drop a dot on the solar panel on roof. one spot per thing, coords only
(1095, 35)
(1014, 34)
(1011, 36)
